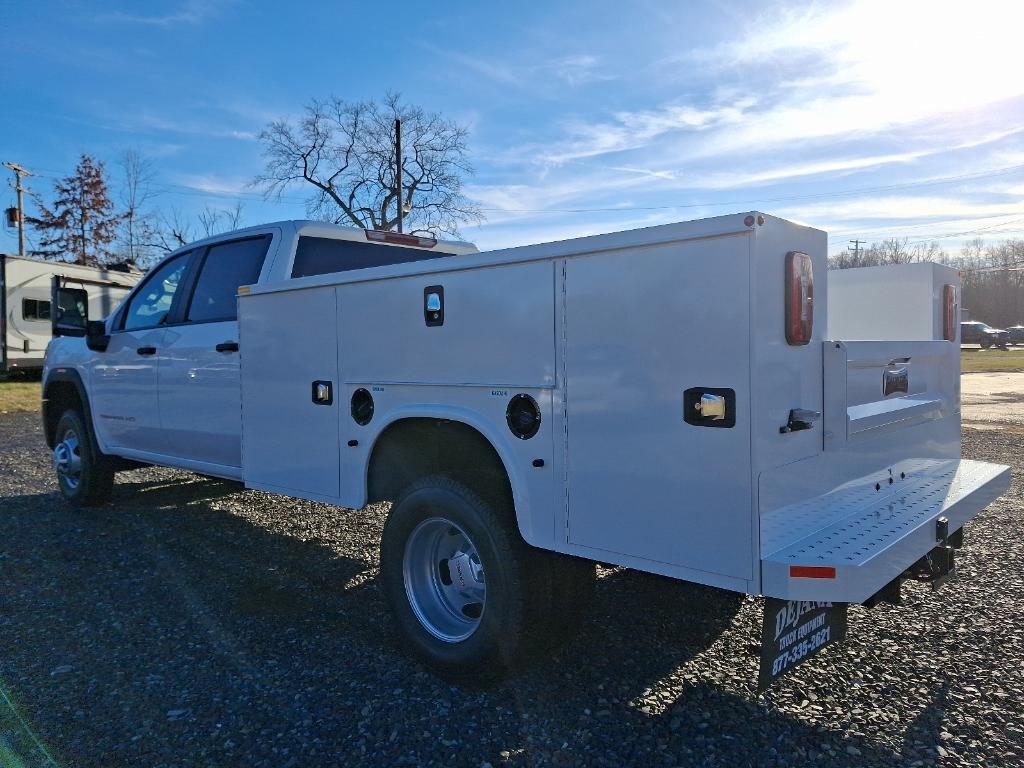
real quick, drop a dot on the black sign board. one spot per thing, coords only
(795, 630)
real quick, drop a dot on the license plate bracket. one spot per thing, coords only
(794, 631)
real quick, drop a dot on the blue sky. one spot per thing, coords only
(867, 119)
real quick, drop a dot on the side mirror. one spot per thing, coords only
(96, 337)
(70, 311)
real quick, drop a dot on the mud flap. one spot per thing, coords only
(795, 630)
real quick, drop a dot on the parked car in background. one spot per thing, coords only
(976, 332)
(1016, 333)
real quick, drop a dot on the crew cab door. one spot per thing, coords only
(199, 386)
(123, 380)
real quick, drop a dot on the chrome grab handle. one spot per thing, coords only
(711, 406)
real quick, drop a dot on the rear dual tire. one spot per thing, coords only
(470, 598)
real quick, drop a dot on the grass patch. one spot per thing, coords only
(19, 396)
(974, 359)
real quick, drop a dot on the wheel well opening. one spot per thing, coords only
(59, 396)
(417, 447)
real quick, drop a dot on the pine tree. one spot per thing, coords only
(81, 224)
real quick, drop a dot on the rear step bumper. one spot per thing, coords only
(863, 538)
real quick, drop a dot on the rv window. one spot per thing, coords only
(226, 267)
(322, 255)
(35, 309)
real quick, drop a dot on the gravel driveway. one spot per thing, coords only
(192, 623)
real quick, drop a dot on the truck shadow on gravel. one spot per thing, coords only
(170, 622)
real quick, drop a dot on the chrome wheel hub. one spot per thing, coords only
(67, 459)
(444, 579)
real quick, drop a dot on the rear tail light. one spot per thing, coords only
(799, 298)
(949, 313)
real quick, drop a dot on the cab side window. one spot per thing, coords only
(148, 308)
(227, 266)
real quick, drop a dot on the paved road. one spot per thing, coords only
(993, 400)
(192, 623)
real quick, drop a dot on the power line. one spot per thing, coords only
(181, 189)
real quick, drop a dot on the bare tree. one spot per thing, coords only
(891, 251)
(346, 152)
(171, 231)
(216, 220)
(137, 224)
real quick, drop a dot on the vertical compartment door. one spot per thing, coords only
(644, 327)
(290, 403)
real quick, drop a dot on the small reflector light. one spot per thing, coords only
(812, 572)
(244, 289)
(399, 238)
(949, 313)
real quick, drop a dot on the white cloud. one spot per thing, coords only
(903, 208)
(578, 70)
(215, 185)
(190, 13)
(881, 63)
(629, 130)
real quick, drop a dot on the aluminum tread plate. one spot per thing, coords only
(850, 526)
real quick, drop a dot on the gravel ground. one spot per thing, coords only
(192, 623)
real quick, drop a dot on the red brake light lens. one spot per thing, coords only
(399, 238)
(799, 298)
(949, 313)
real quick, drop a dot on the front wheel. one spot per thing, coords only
(469, 596)
(84, 474)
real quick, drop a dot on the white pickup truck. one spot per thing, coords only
(673, 399)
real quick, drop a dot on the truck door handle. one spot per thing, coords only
(145, 351)
(227, 346)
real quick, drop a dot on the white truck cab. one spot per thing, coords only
(677, 399)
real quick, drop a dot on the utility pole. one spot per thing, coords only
(398, 168)
(19, 173)
(856, 248)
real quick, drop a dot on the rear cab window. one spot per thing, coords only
(226, 267)
(325, 255)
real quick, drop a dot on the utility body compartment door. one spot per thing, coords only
(288, 340)
(643, 326)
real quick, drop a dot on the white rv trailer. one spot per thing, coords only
(677, 399)
(26, 296)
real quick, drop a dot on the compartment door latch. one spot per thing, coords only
(800, 419)
(709, 407)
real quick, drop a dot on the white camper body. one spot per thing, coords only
(25, 303)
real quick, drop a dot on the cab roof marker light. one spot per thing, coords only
(399, 238)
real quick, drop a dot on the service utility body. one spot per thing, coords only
(701, 400)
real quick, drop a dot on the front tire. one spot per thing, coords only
(469, 596)
(85, 476)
